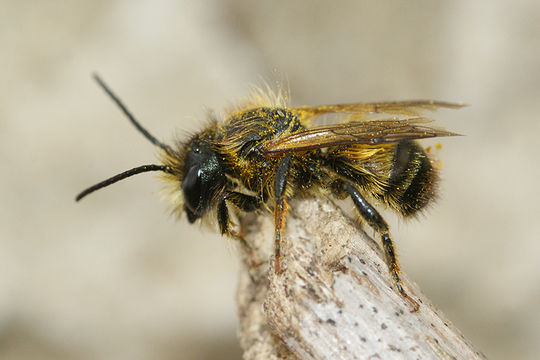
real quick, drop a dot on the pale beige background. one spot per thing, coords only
(115, 277)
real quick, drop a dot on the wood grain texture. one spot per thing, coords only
(334, 299)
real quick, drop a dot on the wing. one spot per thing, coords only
(359, 110)
(357, 132)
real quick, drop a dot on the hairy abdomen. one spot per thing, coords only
(412, 183)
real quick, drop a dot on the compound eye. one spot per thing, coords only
(192, 187)
(190, 215)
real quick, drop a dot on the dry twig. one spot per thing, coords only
(335, 299)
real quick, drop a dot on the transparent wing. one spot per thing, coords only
(356, 132)
(359, 110)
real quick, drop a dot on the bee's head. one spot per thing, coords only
(202, 179)
(193, 169)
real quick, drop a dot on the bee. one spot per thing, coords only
(265, 153)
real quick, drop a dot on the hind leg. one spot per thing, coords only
(375, 220)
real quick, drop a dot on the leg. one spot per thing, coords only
(244, 202)
(375, 220)
(281, 207)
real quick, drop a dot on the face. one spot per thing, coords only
(203, 180)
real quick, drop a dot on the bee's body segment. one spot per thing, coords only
(264, 154)
(413, 181)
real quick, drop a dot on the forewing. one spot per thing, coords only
(358, 132)
(360, 110)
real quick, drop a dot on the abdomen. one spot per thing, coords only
(412, 183)
(399, 175)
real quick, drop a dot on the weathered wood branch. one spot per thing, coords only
(335, 299)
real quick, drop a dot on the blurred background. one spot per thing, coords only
(117, 277)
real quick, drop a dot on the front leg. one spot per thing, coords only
(375, 220)
(281, 207)
(246, 203)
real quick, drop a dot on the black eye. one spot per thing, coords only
(192, 187)
(190, 215)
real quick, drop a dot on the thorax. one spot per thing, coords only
(242, 137)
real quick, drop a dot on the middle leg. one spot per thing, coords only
(280, 210)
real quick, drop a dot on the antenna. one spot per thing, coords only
(123, 175)
(131, 118)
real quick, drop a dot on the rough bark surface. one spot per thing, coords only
(334, 299)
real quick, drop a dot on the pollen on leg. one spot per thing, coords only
(279, 221)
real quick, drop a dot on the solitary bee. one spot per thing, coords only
(265, 153)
